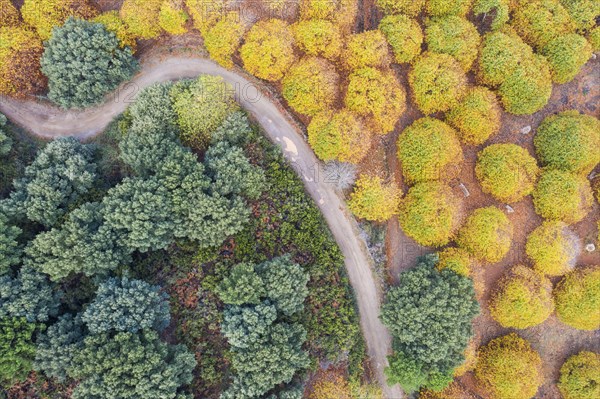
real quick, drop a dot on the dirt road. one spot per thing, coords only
(46, 121)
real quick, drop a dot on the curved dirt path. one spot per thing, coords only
(46, 121)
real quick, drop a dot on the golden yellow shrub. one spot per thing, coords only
(172, 17)
(223, 38)
(366, 49)
(44, 15)
(577, 298)
(268, 49)
(486, 235)
(206, 13)
(377, 96)
(405, 36)
(113, 23)
(563, 196)
(477, 117)
(9, 15)
(142, 17)
(339, 136)
(372, 199)
(521, 299)
(553, 248)
(580, 376)
(311, 86)
(508, 368)
(455, 259)
(318, 37)
(540, 21)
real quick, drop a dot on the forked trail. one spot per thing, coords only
(47, 121)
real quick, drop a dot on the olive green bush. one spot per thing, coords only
(455, 259)
(366, 49)
(569, 141)
(561, 195)
(404, 35)
(529, 88)
(429, 150)
(521, 299)
(486, 235)
(455, 36)
(477, 117)
(377, 96)
(508, 368)
(553, 248)
(580, 376)
(500, 56)
(430, 214)
(506, 171)
(339, 136)
(539, 22)
(566, 55)
(318, 37)
(577, 298)
(311, 86)
(437, 82)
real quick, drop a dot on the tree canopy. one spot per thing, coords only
(83, 61)
(429, 315)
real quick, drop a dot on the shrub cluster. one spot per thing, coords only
(577, 298)
(508, 368)
(45, 15)
(430, 214)
(506, 171)
(437, 82)
(429, 150)
(223, 38)
(522, 299)
(373, 199)
(562, 196)
(523, 77)
(553, 248)
(580, 376)
(477, 117)
(569, 141)
(486, 235)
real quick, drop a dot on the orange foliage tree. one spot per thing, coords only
(330, 385)
(20, 54)
(44, 15)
